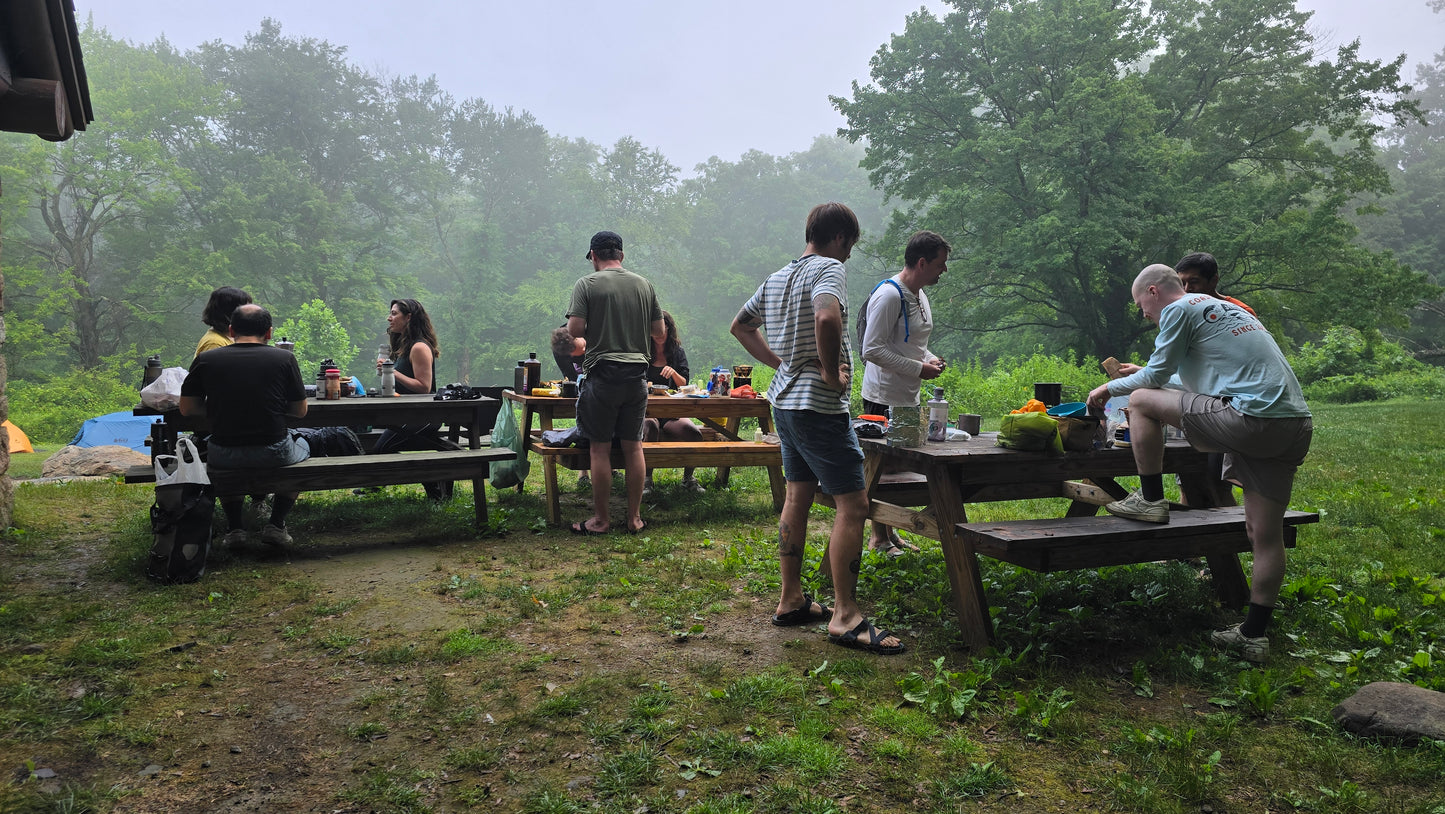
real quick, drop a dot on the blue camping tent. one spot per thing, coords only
(120, 429)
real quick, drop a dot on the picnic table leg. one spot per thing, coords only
(1203, 490)
(969, 600)
(479, 500)
(527, 434)
(779, 485)
(554, 496)
(723, 472)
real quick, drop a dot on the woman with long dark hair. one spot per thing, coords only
(669, 368)
(414, 351)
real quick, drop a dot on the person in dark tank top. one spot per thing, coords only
(414, 351)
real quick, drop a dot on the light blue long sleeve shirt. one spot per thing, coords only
(1219, 349)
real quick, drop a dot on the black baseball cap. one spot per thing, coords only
(604, 240)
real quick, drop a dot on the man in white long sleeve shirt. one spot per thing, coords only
(897, 321)
(1241, 398)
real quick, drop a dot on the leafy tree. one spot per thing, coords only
(295, 192)
(1064, 144)
(745, 220)
(1411, 220)
(318, 336)
(89, 221)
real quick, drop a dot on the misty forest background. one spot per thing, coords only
(1060, 145)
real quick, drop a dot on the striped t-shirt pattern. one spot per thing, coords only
(784, 306)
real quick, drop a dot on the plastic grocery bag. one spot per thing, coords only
(508, 433)
(165, 392)
(1030, 431)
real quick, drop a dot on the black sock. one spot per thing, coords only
(235, 518)
(1256, 621)
(1152, 486)
(280, 507)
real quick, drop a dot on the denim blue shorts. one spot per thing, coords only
(820, 448)
(292, 449)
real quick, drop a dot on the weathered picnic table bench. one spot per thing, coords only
(469, 418)
(722, 416)
(924, 490)
(350, 472)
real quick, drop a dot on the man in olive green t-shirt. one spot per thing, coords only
(616, 311)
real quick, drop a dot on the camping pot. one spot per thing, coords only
(1050, 393)
(569, 390)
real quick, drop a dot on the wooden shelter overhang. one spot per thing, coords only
(43, 86)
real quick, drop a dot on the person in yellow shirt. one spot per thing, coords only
(217, 316)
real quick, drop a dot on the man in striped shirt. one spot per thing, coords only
(803, 307)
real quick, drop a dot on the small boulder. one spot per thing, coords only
(74, 462)
(1393, 711)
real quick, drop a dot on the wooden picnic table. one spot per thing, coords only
(924, 490)
(723, 415)
(474, 416)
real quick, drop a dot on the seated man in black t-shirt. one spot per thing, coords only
(247, 390)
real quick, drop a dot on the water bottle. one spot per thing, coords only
(152, 370)
(388, 378)
(520, 381)
(938, 416)
(534, 372)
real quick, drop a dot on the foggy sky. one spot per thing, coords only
(691, 79)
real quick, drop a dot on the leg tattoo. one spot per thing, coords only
(786, 548)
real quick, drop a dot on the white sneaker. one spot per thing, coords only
(275, 535)
(1254, 650)
(234, 537)
(1135, 507)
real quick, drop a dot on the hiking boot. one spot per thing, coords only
(1135, 507)
(1254, 649)
(692, 485)
(234, 537)
(275, 535)
(647, 487)
(584, 482)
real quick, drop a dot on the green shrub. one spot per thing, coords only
(51, 411)
(1423, 383)
(1347, 352)
(994, 391)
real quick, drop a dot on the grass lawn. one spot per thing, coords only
(27, 465)
(393, 660)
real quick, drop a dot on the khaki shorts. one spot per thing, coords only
(1260, 454)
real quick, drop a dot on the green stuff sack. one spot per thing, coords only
(508, 433)
(1036, 432)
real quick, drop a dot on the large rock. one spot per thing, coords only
(72, 461)
(1393, 711)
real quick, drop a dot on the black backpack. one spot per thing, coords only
(862, 324)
